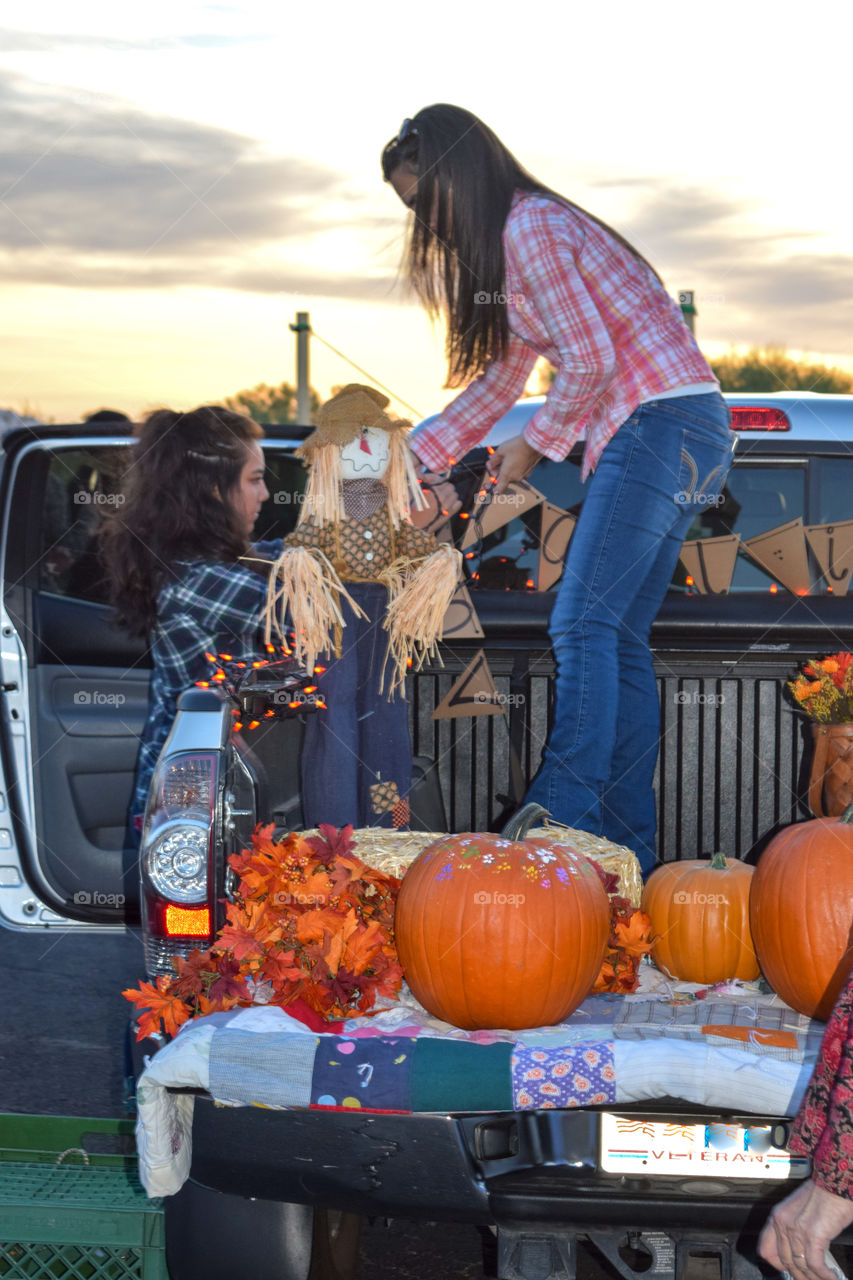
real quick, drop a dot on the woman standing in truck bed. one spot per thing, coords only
(519, 271)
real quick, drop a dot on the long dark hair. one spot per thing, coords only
(455, 252)
(176, 505)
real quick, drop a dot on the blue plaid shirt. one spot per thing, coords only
(213, 607)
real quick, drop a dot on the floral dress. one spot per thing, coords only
(823, 1128)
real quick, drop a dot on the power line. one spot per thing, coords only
(371, 379)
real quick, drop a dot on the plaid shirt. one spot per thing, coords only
(577, 297)
(211, 606)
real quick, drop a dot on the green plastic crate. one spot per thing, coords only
(71, 1204)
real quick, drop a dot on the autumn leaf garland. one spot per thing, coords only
(311, 923)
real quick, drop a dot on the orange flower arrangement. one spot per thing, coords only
(824, 690)
(312, 923)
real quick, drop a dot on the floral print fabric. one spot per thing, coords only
(823, 1128)
(578, 1075)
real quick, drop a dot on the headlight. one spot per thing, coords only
(176, 861)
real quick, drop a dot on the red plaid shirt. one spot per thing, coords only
(597, 314)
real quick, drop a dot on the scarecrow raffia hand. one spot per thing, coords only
(417, 607)
(305, 582)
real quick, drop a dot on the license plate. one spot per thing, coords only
(711, 1150)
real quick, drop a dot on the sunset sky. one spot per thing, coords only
(177, 180)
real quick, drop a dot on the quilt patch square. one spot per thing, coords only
(575, 1075)
(373, 1074)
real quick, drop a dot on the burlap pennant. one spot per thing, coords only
(472, 694)
(832, 547)
(781, 552)
(554, 538)
(493, 510)
(461, 621)
(710, 562)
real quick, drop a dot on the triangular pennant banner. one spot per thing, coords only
(432, 519)
(472, 694)
(493, 510)
(710, 562)
(557, 529)
(832, 546)
(461, 621)
(781, 552)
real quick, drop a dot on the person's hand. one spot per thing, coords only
(512, 461)
(799, 1230)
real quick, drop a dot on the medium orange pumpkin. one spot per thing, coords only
(699, 911)
(801, 911)
(500, 933)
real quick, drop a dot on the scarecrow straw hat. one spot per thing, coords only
(338, 423)
(340, 419)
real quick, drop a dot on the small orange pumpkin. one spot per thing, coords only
(495, 933)
(801, 911)
(699, 911)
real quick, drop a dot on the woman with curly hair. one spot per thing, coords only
(183, 572)
(519, 271)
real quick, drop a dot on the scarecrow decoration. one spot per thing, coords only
(365, 594)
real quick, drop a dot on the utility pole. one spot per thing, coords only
(302, 329)
(688, 308)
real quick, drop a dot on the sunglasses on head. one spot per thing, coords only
(407, 130)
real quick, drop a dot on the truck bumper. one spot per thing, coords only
(486, 1168)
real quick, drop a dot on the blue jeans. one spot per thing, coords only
(663, 463)
(362, 739)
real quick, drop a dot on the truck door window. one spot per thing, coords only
(285, 478)
(82, 487)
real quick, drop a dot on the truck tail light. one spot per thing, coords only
(181, 921)
(759, 418)
(176, 858)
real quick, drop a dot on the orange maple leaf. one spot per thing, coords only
(248, 931)
(279, 968)
(161, 1006)
(362, 948)
(633, 936)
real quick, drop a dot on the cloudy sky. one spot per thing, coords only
(177, 180)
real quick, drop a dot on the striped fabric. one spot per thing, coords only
(614, 336)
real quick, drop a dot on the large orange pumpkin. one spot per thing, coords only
(699, 911)
(494, 932)
(801, 911)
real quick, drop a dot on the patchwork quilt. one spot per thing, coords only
(734, 1046)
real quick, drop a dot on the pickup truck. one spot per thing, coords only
(732, 771)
